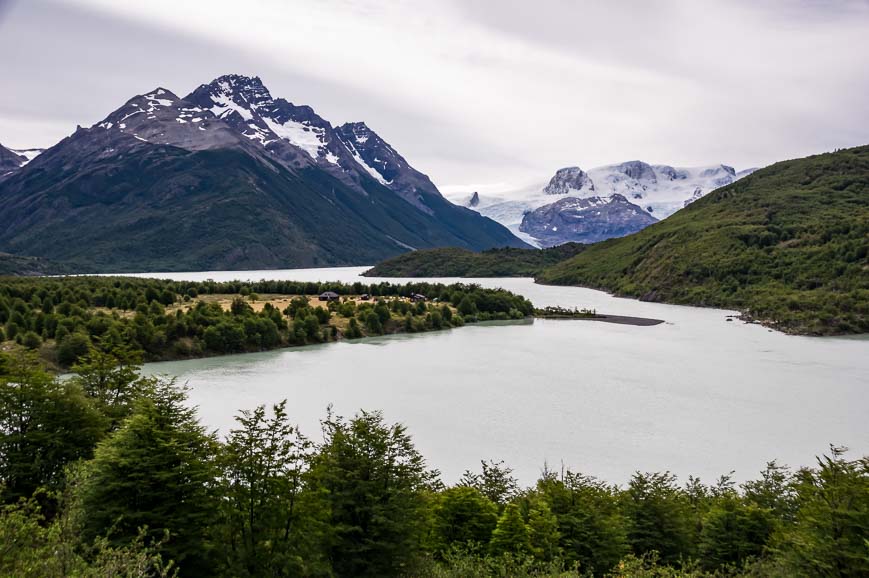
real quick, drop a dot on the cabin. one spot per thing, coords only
(365, 297)
(417, 297)
(329, 296)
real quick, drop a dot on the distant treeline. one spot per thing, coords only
(161, 319)
(454, 262)
(110, 474)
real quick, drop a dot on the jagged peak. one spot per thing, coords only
(568, 179)
(159, 97)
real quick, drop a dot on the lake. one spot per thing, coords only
(696, 395)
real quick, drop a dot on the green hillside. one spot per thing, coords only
(18, 265)
(162, 208)
(455, 262)
(786, 245)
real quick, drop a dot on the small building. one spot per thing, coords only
(417, 297)
(329, 296)
(365, 297)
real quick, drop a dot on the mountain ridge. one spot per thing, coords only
(126, 193)
(660, 190)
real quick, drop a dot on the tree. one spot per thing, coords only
(467, 307)
(828, 537)
(542, 529)
(112, 381)
(371, 480)
(156, 472)
(72, 347)
(496, 481)
(774, 491)
(33, 547)
(592, 529)
(373, 324)
(511, 535)
(733, 531)
(44, 425)
(31, 340)
(658, 516)
(267, 533)
(462, 516)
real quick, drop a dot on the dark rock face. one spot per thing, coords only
(586, 220)
(671, 173)
(390, 169)
(295, 135)
(698, 193)
(568, 179)
(474, 200)
(638, 170)
(9, 161)
(227, 178)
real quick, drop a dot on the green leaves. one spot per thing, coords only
(156, 471)
(371, 480)
(265, 520)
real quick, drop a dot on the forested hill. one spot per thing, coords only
(787, 245)
(18, 265)
(455, 262)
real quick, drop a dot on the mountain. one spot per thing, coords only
(10, 160)
(584, 220)
(659, 190)
(227, 177)
(786, 245)
(19, 266)
(453, 262)
(569, 180)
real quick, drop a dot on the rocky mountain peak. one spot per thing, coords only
(161, 117)
(568, 179)
(584, 220)
(638, 170)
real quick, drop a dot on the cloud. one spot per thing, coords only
(482, 91)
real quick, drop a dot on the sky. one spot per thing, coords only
(479, 94)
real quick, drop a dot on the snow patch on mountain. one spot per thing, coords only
(306, 137)
(28, 154)
(660, 189)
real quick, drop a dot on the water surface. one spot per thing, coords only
(695, 395)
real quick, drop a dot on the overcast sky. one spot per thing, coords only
(477, 94)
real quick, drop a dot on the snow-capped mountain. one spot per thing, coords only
(584, 220)
(383, 162)
(227, 177)
(660, 190)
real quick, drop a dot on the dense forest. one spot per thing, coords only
(107, 473)
(62, 318)
(787, 245)
(455, 262)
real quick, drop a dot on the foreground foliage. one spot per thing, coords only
(787, 245)
(111, 474)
